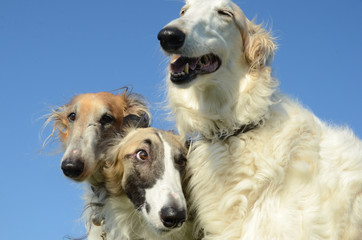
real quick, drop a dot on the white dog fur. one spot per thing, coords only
(292, 176)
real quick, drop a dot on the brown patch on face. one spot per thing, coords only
(98, 104)
(131, 175)
(119, 106)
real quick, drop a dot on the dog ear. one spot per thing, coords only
(136, 121)
(113, 168)
(259, 46)
(136, 112)
(58, 118)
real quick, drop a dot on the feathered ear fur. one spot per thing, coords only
(259, 46)
(60, 126)
(113, 169)
(136, 112)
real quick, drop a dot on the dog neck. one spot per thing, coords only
(224, 107)
(242, 129)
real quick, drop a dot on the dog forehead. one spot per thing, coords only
(173, 140)
(207, 6)
(198, 11)
(139, 136)
(91, 103)
(99, 98)
(86, 105)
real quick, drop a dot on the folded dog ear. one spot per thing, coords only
(136, 113)
(136, 121)
(113, 169)
(259, 46)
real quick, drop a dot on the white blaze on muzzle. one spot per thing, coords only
(166, 204)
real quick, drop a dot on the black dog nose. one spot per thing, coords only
(72, 167)
(172, 217)
(171, 38)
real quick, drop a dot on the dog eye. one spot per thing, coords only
(183, 11)
(71, 117)
(225, 13)
(181, 161)
(142, 155)
(106, 119)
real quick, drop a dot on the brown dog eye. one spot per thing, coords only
(106, 118)
(71, 117)
(181, 161)
(142, 155)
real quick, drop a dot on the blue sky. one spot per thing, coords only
(52, 50)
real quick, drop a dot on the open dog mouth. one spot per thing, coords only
(185, 69)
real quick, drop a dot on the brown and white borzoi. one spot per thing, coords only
(85, 127)
(86, 123)
(263, 167)
(143, 178)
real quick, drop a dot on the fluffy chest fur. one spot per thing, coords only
(276, 182)
(293, 177)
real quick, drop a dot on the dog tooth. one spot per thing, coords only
(186, 70)
(174, 58)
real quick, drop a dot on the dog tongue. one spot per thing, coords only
(210, 67)
(179, 65)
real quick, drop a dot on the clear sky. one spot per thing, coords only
(52, 50)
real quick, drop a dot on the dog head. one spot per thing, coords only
(86, 123)
(210, 37)
(148, 166)
(220, 78)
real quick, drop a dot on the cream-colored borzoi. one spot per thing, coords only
(264, 167)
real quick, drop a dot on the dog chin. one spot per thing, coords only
(159, 229)
(83, 177)
(182, 83)
(166, 231)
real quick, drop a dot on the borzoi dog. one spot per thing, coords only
(263, 167)
(143, 175)
(85, 127)
(85, 124)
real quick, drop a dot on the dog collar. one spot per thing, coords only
(97, 219)
(242, 129)
(103, 234)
